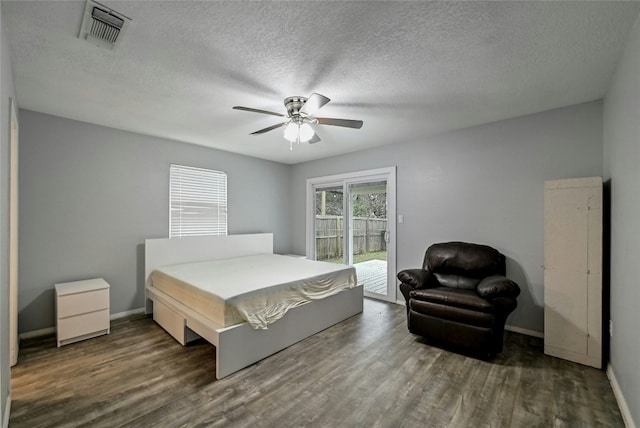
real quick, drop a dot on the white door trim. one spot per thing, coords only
(13, 237)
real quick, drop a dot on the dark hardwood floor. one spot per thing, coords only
(368, 371)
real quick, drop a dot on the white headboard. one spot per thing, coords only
(164, 252)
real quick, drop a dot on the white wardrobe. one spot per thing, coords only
(573, 270)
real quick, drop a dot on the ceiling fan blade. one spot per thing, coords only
(313, 104)
(270, 128)
(347, 123)
(255, 110)
(314, 139)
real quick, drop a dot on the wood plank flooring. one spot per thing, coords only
(368, 371)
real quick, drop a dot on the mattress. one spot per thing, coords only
(258, 289)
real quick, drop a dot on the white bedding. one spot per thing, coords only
(258, 289)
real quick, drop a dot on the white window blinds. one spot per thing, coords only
(197, 202)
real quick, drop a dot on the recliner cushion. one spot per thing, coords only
(452, 313)
(465, 260)
(456, 281)
(497, 286)
(454, 297)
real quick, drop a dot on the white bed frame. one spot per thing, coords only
(237, 346)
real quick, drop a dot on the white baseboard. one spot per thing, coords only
(622, 403)
(5, 415)
(524, 331)
(37, 333)
(127, 313)
(52, 330)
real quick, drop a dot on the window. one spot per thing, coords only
(197, 202)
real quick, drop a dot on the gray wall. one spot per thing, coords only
(7, 91)
(482, 184)
(90, 195)
(622, 170)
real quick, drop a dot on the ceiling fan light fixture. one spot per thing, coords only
(306, 132)
(298, 133)
(291, 132)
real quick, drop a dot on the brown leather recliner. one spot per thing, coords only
(460, 297)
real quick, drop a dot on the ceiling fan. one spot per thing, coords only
(300, 122)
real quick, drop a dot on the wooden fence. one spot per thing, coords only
(368, 236)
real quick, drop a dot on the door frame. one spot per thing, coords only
(13, 235)
(388, 174)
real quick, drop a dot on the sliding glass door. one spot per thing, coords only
(351, 221)
(368, 236)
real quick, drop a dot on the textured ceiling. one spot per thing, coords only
(407, 69)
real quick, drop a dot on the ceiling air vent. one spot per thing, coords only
(102, 26)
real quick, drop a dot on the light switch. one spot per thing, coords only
(400, 218)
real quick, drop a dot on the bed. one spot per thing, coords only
(239, 343)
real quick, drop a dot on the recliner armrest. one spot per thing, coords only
(417, 278)
(497, 286)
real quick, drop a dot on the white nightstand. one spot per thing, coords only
(82, 310)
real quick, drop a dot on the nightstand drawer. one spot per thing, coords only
(80, 303)
(84, 324)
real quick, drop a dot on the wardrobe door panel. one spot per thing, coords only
(573, 273)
